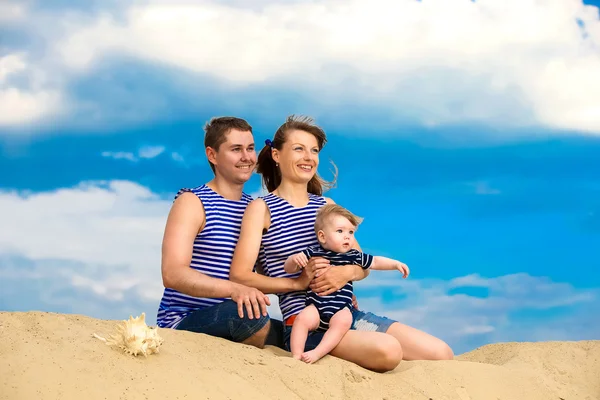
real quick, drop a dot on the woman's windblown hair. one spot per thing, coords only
(271, 176)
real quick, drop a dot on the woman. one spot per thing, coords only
(282, 223)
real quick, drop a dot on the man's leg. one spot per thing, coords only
(275, 336)
(222, 320)
(339, 324)
(307, 320)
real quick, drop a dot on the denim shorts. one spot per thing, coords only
(222, 320)
(361, 321)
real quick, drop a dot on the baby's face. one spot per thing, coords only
(337, 234)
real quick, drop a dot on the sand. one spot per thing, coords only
(54, 356)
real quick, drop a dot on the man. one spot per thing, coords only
(199, 240)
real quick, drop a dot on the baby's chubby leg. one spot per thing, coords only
(339, 324)
(307, 320)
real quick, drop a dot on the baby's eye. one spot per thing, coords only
(351, 232)
(339, 231)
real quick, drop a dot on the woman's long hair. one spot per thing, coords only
(271, 176)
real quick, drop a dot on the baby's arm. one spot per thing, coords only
(387, 264)
(295, 263)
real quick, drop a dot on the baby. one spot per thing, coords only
(335, 227)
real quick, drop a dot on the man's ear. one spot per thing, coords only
(211, 155)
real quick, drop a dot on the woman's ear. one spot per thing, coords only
(275, 155)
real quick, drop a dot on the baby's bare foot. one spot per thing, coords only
(311, 357)
(297, 356)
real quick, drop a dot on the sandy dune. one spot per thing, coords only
(54, 356)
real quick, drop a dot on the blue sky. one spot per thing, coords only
(466, 134)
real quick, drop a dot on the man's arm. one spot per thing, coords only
(186, 219)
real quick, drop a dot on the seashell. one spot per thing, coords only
(134, 337)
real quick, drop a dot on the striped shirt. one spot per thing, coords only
(292, 230)
(212, 252)
(332, 303)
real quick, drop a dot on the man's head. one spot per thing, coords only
(335, 227)
(229, 146)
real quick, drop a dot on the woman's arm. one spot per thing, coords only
(186, 219)
(256, 219)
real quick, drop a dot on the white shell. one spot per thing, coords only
(134, 337)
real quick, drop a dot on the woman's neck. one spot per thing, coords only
(294, 193)
(228, 190)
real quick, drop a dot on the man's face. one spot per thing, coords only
(236, 159)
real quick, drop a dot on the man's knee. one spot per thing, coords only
(259, 338)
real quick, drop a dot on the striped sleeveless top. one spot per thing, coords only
(292, 230)
(211, 255)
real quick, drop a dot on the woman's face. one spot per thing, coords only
(298, 158)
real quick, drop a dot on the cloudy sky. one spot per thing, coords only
(467, 134)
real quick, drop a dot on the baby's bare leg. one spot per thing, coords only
(307, 320)
(339, 324)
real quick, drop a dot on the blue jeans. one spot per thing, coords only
(222, 320)
(361, 321)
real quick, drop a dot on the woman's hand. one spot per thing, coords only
(328, 280)
(315, 266)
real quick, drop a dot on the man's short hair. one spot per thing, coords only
(216, 131)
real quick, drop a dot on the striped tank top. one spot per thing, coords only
(212, 252)
(292, 230)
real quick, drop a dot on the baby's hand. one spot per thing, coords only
(300, 260)
(403, 268)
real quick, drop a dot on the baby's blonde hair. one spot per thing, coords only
(328, 210)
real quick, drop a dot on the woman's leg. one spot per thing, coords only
(419, 345)
(376, 351)
(416, 344)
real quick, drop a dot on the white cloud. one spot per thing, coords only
(113, 228)
(146, 152)
(20, 105)
(95, 249)
(484, 188)
(513, 62)
(443, 309)
(150, 151)
(11, 12)
(177, 157)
